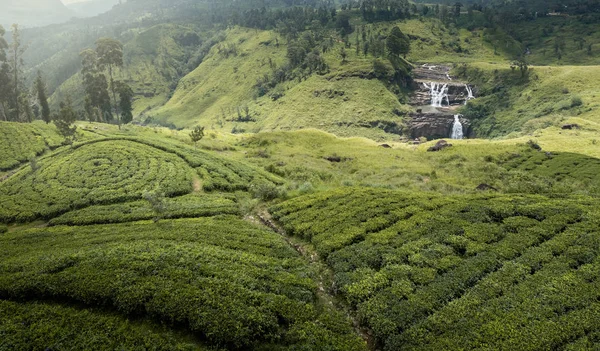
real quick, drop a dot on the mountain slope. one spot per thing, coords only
(92, 7)
(33, 12)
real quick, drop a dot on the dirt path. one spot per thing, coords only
(197, 184)
(325, 284)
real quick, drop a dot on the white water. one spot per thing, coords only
(470, 93)
(438, 92)
(457, 129)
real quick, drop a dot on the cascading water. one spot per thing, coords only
(469, 93)
(438, 92)
(457, 128)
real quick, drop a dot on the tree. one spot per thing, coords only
(398, 43)
(40, 88)
(65, 120)
(16, 62)
(5, 81)
(156, 200)
(110, 56)
(96, 88)
(522, 65)
(457, 7)
(197, 134)
(125, 102)
(343, 54)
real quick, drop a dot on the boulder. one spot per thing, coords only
(570, 126)
(385, 146)
(440, 145)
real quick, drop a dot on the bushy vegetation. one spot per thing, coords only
(229, 282)
(95, 173)
(42, 326)
(422, 270)
(20, 142)
(187, 206)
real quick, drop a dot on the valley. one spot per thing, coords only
(301, 175)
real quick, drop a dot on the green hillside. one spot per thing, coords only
(454, 273)
(266, 175)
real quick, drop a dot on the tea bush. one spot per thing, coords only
(218, 173)
(45, 326)
(187, 206)
(229, 282)
(22, 140)
(431, 272)
(95, 173)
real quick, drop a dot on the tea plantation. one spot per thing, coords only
(226, 281)
(431, 272)
(20, 142)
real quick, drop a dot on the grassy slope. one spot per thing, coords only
(220, 85)
(541, 36)
(211, 94)
(544, 100)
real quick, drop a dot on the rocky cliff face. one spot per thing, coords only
(434, 125)
(436, 122)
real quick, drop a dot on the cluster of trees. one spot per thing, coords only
(15, 100)
(20, 104)
(99, 68)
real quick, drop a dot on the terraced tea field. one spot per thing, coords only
(228, 282)
(462, 272)
(20, 142)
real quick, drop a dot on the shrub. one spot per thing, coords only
(266, 191)
(534, 145)
(3, 229)
(421, 269)
(576, 101)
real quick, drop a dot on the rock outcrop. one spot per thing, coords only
(439, 146)
(434, 125)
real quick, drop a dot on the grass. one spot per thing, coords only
(509, 104)
(363, 106)
(302, 158)
(422, 270)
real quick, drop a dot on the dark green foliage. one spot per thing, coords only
(65, 120)
(95, 173)
(20, 141)
(42, 97)
(398, 43)
(229, 282)
(197, 134)
(48, 326)
(187, 206)
(451, 273)
(125, 102)
(3, 228)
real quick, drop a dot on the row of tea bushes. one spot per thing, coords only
(186, 206)
(95, 173)
(225, 280)
(47, 326)
(460, 272)
(20, 141)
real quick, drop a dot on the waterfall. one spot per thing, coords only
(439, 92)
(457, 129)
(469, 93)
